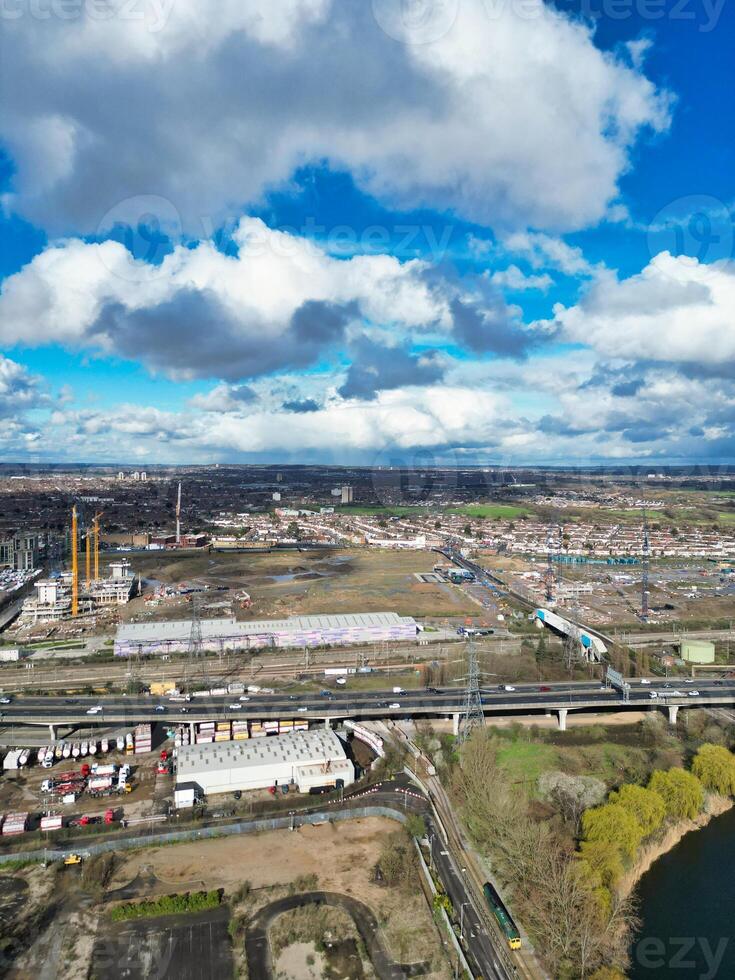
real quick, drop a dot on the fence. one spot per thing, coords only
(290, 822)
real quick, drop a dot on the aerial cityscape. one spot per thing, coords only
(367, 490)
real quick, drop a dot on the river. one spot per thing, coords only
(687, 909)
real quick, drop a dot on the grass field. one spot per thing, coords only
(527, 760)
(612, 753)
(494, 511)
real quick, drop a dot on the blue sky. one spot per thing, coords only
(495, 230)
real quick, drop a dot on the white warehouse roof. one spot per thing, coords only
(180, 629)
(306, 748)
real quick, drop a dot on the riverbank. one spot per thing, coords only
(715, 806)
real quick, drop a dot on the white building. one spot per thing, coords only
(301, 760)
(148, 639)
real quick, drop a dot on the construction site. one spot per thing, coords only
(68, 601)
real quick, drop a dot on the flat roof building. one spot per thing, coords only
(301, 759)
(148, 639)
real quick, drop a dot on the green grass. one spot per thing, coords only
(490, 510)
(525, 761)
(167, 905)
(378, 510)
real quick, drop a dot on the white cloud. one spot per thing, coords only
(513, 278)
(676, 310)
(280, 302)
(548, 252)
(504, 119)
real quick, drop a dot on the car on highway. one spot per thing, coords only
(244, 697)
(302, 708)
(652, 694)
(95, 710)
(160, 707)
(544, 688)
(392, 707)
(689, 681)
(431, 690)
(5, 700)
(235, 707)
(508, 687)
(644, 680)
(693, 694)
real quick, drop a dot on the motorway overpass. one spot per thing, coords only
(524, 699)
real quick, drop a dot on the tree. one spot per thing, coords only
(613, 824)
(603, 859)
(293, 530)
(714, 766)
(415, 825)
(571, 795)
(646, 806)
(681, 792)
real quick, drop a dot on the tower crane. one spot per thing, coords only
(74, 563)
(96, 535)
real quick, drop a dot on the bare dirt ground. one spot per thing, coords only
(288, 583)
(300, 961)
(339, 856)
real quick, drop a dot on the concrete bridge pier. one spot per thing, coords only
(673, 712)
(327, 722)
(455, 724)
(192, 736)
(562, 719)
(52, 732)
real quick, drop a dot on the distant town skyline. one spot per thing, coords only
(368, 233)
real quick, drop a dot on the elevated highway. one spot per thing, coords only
(523, 699)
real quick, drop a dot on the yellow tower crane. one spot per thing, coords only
(96, 532)
(74, 564)
(88, 556)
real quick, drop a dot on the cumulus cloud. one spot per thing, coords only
(19, 390)
(225, 398)
(521, 121)
(277, 304)
(676, 310)
(376, 367)
(513, 278)
(280, 303)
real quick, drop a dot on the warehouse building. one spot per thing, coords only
(301, 760)
(149, 639)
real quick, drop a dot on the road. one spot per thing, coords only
(400, 794)
(260, 965)
(522, 698)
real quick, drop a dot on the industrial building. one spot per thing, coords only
(304, 760)
(148, 639)
(698, 651)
